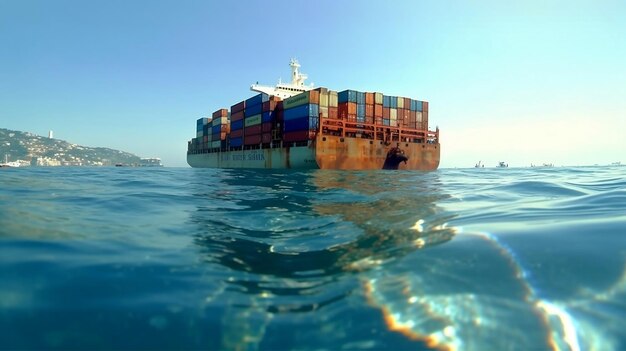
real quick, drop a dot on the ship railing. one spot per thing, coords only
(343, 128)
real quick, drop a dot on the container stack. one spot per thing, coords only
(237, 124)
(200, 142)
(262, 119)
(301, 116)
(269, 119)
(220, 127)
(252, 119)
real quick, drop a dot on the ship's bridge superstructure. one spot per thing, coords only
(285, 90)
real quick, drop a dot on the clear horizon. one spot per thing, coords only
(526, 83)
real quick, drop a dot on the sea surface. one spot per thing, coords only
(206, 259)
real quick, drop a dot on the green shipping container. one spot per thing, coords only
(252, 121)
(298, 100)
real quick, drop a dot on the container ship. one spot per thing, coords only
(294, 125)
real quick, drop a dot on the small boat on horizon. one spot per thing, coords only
(502, 164)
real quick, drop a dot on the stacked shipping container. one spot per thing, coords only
(262, 119)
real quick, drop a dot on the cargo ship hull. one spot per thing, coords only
(323, 152)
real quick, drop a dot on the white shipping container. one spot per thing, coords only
(400, 102)
(393, 113)
(418, 117)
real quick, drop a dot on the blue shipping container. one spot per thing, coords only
(419, 106)
(257, 100)
(393, 102)
(360, 119)
(360, 111)
(308, 110)
(206, 130)
(302, 123)
(386, 122)
(236, 125)
(216, 129)
(268, 116)
(412, 105)
(236, 142)
(347, 96)
(252, 110)
(385, 101)
(360, 97)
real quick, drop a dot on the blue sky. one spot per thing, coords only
(523, 82)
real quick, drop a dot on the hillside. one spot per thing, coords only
(25, 146)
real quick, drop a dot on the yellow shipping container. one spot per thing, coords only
(378, 98)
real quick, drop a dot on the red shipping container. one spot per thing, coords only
(378, 111)
(378, 120)
(266, 138)
(369, 98)
(369, 109)
(346, 109)
(266, 127)
(252, 130)
(300, 135)
(220, 113)
(238, 107)
(425, 106)
(252, 139)
(333, 112)
(425, 118)
(269, 106)
(369, 119)
(236, 116)
(407, 103)
(350, 118)
(386, 112)
(236, 133)
(412, 116)
(280, 115)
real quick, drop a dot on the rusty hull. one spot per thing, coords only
(336, 152)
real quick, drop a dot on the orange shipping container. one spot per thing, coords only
(333, 112)
(386, 112)
(369, 98)
(378, 111)
(369, 109)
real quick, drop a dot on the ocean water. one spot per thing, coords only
(466, 259)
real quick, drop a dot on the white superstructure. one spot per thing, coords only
(285, 90)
